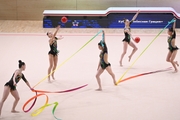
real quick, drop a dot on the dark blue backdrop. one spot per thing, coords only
(113, 20)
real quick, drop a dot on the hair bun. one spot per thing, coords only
(20, 61)
(171, 29)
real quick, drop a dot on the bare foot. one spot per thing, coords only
(177, 63)
(175, 71)
(14, 111)
(53, 77)
(129, 58)
(114, 82)
(49, 80)
(99, 89)
(120, 64)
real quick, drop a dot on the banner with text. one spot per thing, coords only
(113, 20)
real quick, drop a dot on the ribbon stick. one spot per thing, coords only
(68, 58)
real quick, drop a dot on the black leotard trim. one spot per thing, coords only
(17, 79)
